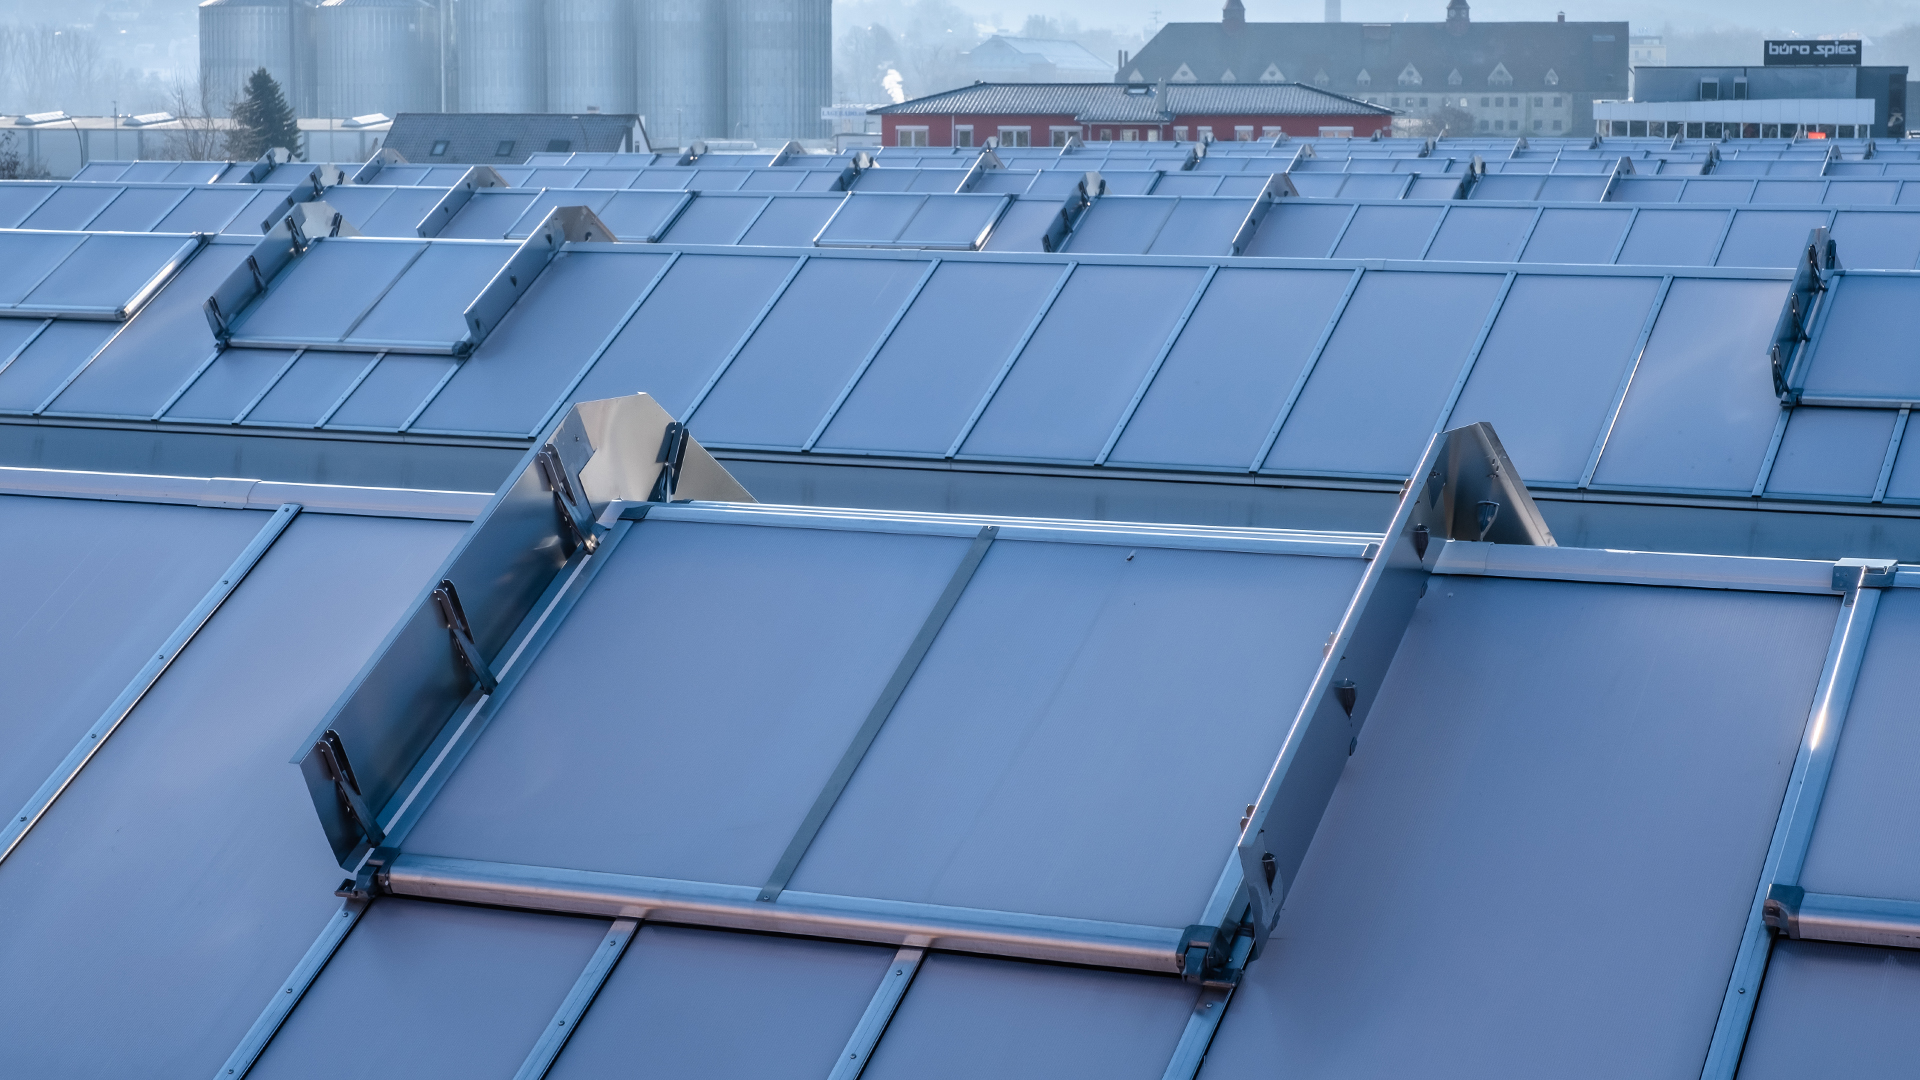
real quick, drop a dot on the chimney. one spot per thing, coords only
(1457, 16)
(1562, 18)
(1234, 14)
(1333, 10)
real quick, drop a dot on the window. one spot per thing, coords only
(1484, 126)
(1206, 134)
(1395, 102)
(1484, 102)
(1636, 129)
(1016, 136)
(1180, 132)
(1153, 134)
(1270, 132)
(1846, 131)
(1556, 101)
(910, 136)
(1106, 134)
(1709, 89)
(1713, 130)
(439, 148)
(1499, 125)
(1769, 131)
(1243, 133)
(1423, 103)
(1556, 125)
(559, 146)
(1694, 131)
(505, 148)
(1336, 133)
(1538, 124)
(1739, 89)
(1129, 135)
(1620, 128)
(1061, 135)
(963, 134)
(1538, 101)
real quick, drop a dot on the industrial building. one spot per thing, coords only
(1002, 58)
(1816, 87)
(1172, 610)
(739, 69)
(1053, 114)
(509, 138)
(1533, 79)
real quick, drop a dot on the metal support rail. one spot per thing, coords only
(585, 988)
(873, 1023)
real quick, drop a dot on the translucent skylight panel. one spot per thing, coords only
(1104, 331)
(1214, 399)
(188, 980)
(1508, 789)
(1701, 409)
(1482, 233)
(724, 1006)
(941, 358)
(639, 216)
(1877, 241)
(223, 391)
(1201, 227)
(1775, 238)
(1669, 237)
(690, 322)
(1377, 390)
(790, 222)
(969, 1017)
(716, 220)
(38, 370)
(787, 639)
(1388, 232)
(27, 259)
(1832, 453)
(71, 207)
(393, 392)
(210, 210)
(1551, 366)
(1836, 1010)
(1299, 229)
(1056, 794)
(435, 989)
(107, 271)
(1567, 235)
(488, 215)
(778, 389)
(326, 291)
(1120, 226)
(1647, 189)
(526, 363)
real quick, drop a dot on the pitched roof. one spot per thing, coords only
(1116, 102)
(478, 138)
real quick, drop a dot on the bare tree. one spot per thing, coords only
(196, 138)
(15, 167)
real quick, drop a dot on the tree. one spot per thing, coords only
(264, 120)
(194, 137)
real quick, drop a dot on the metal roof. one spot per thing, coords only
(1122, 103)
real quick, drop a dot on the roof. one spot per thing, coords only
(508, 138)
(1001, 51)
(1121, 103)
(1568, 55)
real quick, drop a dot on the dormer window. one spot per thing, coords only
(1453, 77)
(1553, 77)
(1409, 76)
(1363, 79)
(1272, 74)
(1500, 76)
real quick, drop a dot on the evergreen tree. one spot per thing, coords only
(265, 120)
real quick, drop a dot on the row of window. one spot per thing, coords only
(1710, 90)
(1490, 102)
(1514, 125)
(1667, 129)
(1023, 136)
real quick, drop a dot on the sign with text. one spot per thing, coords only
(1817, 52)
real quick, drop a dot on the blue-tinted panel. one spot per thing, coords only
(1701, 410)
(668, 178)
(1729, 190)
(211, 210)
(1788, 191)
(1874, 241)
(325, 291)
(637, 216)
(689, 324)
(1551, 366)
(137, 210)
(1769, 237)
(426, 303)
(1120, 225)
(1482, 233)
(790, 222)
(1508, 187)
(1862, 193)
(309, 388)
(1215, 397)
(1299, 229)
(716, 220)
(953, 221)
(1373, 186)
(1388, 232)
(1372, 401)
(1566, 189)
(398, 385)
(1566, 235)
(1859, 350)
(1646, 189)
(17, 200)
(748, 707)
(1318, 185)
(223, 390)
(1136, 182)
(1663, 237)
(779, 387)
(71, 207)
(1004, 181)
(941, 358)
(608, 178)
(1063, 397)
(26, 260)
(1833, 1010)
(488, 215)
(401, 213)
(1188, 183)
(43, 365)
(1201, 227)
(107, 271)
(692, 1003)
(433, 989)
(1046, 701)
(871, 219)
(1023, 225)
(772, 180)
(1434, 187)
(1832, 452)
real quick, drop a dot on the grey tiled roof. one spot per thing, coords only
(1114, 102)
(478, 138)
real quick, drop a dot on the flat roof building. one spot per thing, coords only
(1851, 100)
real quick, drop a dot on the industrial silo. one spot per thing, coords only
(503, 56)
(683, 69)
(590, 50)
(238, 37)
(779, 68)
(376, 56)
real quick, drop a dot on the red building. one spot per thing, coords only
(1046, 114)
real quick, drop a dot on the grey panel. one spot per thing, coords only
(772, 180)
(1388, 232)
(137, 210)
(1788, 191)
(107, 270)
(1861, 193)
(1769, 237)
(1214, 399)
(1083, 364)
(664, 179)
(1567, 189)
(488, 215)
(95, 588)
(1650, 743)
(1874, 241)
(433, 990)
(1201, 227)
(153, 356)
(1120, 225)
(545, 202)
(1372, 186)
(206, 750)
(691, 743)
(211, 210)
(1372, 401)
(516, 375)
(952, 220)
(716, 220)
(942, 357)
(779, 388)
(1864, 841)
(358, 204)
(426, 303)
(1834, 1010)
(966, 1018)
(40, 369)
(402, 213)
(872, 219)
(1701, 410)
(1434, 187)
(1023, 225)
(1566, 235)
(1663, 237)
(27, 258)
(790, 222)
(222, 391)
(398, 385)
(1482, 233)
(1299, 230)
(691, 1003)
(310, 388)
(1510, 187)
(326, 290)
(1547, 376)
(1128, 182)
(1055, 700)
(1006, 181)
(688, 325)
(1833, 452)
(71, 207)
(1857, 352)
(1730, 191)
(1188, 183)
(19, 199)
(634, 216)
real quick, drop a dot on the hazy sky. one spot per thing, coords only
(1798, 16)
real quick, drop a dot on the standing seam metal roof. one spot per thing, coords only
(1119, 102)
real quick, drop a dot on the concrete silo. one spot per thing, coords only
(503, 56)
(683, 69)
(238, 37)
(779, 68)
(590, 49)
(376, 56)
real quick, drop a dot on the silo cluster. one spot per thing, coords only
(695, 69)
